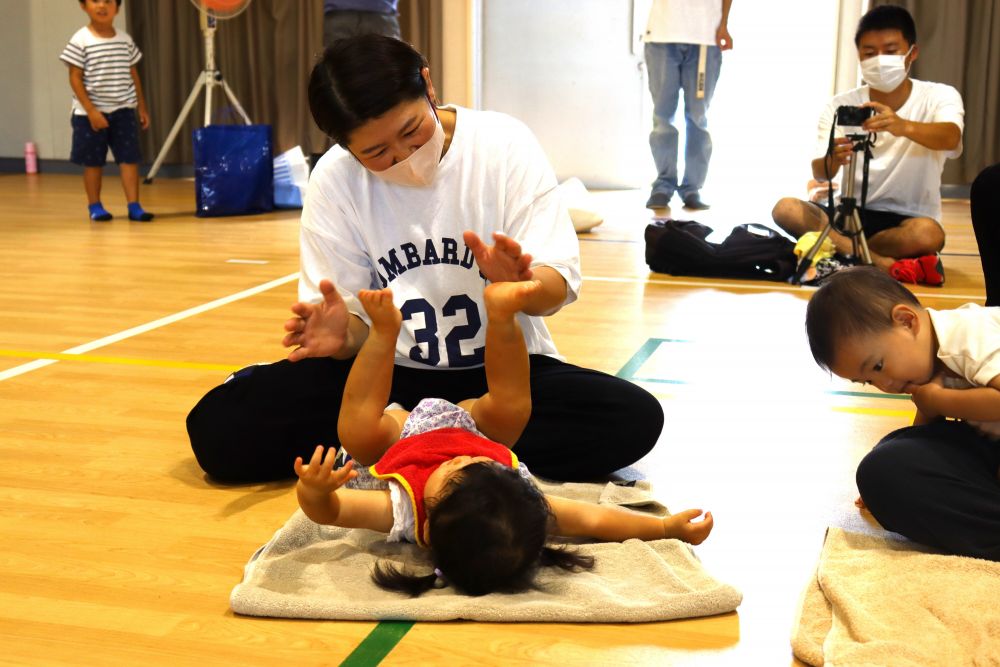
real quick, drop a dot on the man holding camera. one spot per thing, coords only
(918, 125)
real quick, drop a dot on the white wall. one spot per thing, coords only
(35, 104)
(774, 84)
(571, 71)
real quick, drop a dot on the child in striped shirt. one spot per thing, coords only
(108, 105)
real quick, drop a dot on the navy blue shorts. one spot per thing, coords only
(90, 148)
(872, 221)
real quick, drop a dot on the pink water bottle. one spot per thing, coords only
(30, 158)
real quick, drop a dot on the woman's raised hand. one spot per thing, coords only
(318, 329)
(501, 262)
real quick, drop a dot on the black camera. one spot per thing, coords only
(853, 116)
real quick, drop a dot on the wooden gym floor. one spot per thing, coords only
(117, 550)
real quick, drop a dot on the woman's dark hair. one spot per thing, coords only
(887, 17)
(360, 78)
(855, 301)
(488, 533)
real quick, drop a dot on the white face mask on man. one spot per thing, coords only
(420, 167)
(885, 73)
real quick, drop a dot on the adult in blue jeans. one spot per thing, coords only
(684, 44)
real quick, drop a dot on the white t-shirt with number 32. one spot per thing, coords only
(363, 233)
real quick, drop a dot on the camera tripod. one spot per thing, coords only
(846, 220)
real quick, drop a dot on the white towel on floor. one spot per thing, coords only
(313, 571)
(880, 600)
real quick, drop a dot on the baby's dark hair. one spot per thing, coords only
(855, 301)
(488, 534)
(887, 17)
(117, 2)
(360, 78)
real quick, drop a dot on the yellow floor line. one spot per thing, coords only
(37, 364)
(127, 361)
(878, 412)
(875, 412)
(226, 368)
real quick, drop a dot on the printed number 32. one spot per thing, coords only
(428, 335)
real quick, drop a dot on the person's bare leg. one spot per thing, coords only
(92, 183)
(914, 237)
(798, 217)
(130, 181)
(503, 411)
(365, 429)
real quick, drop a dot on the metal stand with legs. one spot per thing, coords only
(847, 221)
(208, 79)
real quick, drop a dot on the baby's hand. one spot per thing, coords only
(924, 396)
(683, 526)
(319, 477)
(860, 504)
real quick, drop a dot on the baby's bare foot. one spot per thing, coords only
(508, 298)
(380, 308)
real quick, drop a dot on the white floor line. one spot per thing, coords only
(190, 312)
(149, 326)
(698, 283)
(776, 287)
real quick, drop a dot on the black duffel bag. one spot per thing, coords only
(753, 251)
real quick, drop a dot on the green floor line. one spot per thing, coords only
(870, 394)
(836, 392)
(658, 380)
(379, 642)
(632, 366)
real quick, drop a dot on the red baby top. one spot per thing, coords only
(411, 461)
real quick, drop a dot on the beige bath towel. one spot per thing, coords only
(313, 571)
(881, 600)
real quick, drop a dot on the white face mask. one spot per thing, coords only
(885, 73)
(419, 169)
